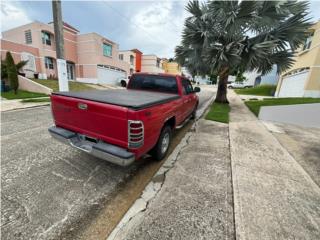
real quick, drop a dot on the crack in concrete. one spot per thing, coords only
(153, 188)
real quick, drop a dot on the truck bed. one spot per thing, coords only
(133, 99)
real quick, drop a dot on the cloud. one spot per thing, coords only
(157, 27)
(12, 15)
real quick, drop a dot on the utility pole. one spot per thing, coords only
(58, 32)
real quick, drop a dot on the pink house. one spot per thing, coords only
(90, 57)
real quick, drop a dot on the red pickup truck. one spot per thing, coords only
(121, 125)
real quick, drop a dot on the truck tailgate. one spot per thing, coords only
(93, 119)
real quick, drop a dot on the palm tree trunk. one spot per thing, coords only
(222, 86)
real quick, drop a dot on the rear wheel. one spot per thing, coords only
(162, 146)
(123, 84)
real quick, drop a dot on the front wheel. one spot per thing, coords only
(162, 146)
(194, 113)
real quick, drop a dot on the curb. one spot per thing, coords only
(26, 107)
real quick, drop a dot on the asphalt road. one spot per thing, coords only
(47, 187)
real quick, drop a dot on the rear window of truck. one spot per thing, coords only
(154, 83)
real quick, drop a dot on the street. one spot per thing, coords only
(49, 189)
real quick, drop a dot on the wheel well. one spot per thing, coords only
(171, 122)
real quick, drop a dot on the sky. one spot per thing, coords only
(154, 27)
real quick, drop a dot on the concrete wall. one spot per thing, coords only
(149, 64)
(307, 115)
(171, 67)
(18, 50)
(17, 35)
(90, 54)
(84, 50)
(31, 86)
(126, 58)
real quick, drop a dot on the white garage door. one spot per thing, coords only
(109, 76)
(293, 85)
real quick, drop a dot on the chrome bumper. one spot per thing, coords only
(99, 149)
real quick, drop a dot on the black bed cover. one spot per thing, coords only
(134, 99)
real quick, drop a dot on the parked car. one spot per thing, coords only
(239, 85)
(121, 125)
(124, 81)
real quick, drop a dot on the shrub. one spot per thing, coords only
(12, 73)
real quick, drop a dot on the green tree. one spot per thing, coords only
(4, 72)
(12, 72)
(222, 36)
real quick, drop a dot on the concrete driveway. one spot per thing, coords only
(49, 188)
(303, 144)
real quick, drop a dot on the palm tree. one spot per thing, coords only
(231, 36)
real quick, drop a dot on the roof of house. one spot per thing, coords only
(67, 25)
(136, 50)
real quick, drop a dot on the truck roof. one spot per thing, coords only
(134, 99)
(157, 74)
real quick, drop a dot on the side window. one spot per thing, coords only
(46, 38)
(107, 50)
(28, 36)
(187, 87)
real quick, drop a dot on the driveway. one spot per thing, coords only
(303, 144)
(48, 187)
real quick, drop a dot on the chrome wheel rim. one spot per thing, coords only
(165, 143)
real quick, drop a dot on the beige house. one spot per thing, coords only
(90, 57)
(303, 78)
(98, 60)
(171, 67)
(151, 63)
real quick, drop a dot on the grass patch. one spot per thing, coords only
(261, 90)
(21, 95)
(54, 85)
(219, 112)
(36, 100)
(255, 105)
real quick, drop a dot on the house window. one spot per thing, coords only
(48, 62)
(107, 50)
(308, 42)
(46, 38)
(28, 37)
(121, 57)
(131, 59)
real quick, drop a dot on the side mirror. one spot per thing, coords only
(196, 89)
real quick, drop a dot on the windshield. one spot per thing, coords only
(154, 83)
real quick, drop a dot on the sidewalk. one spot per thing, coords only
(7, 105)
(191, 195)
(274, 197)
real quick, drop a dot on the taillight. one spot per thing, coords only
(135, 134)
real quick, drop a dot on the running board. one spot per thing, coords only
(184, 122)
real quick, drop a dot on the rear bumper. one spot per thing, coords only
(99, 149)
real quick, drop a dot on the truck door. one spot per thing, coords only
(188, 97)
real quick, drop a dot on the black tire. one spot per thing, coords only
(123, 84)
(194, 113)
(157, 152)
